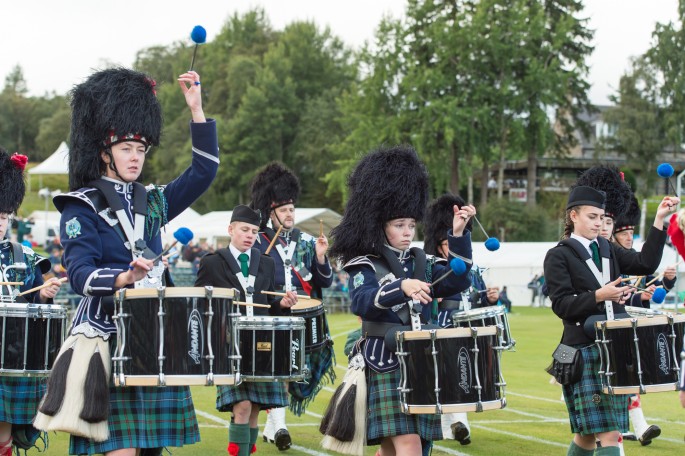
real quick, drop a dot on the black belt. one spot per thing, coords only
(448, 304)
(379, 329)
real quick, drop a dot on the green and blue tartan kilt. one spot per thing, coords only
(266, 394)
(19, 397)
(145, 417)
(590, 410)
(385, 418)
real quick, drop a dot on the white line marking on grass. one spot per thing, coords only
(544, 399)
(308, 451)
(335, 336)
(535, 415)
(449, 450)
(315, 415)
(520, 436)
(329, 389)
(214, 418)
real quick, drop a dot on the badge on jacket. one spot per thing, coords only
(73, 228)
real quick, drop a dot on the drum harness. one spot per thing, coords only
(408, 317)
(131, 235)
(17, 254)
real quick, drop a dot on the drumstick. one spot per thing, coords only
(321, 228)
(273, 241)
(661, 275)
(12, 283)
(252, 304)
(636, 278)
(45, 285)
(275, 293)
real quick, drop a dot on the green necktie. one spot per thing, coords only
(244, 264)
(595, 255)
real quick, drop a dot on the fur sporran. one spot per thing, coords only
(77, 397)
(344, 423)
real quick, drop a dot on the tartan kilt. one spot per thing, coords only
(266, 394)
(145, 417)
(385, 417)
(590, 410)
(20, 397)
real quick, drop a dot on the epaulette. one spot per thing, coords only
(360, 260)
(80, 194)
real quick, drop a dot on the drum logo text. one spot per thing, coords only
(196, 336)
(315, 339)
(294, 350)
(662, 347)
(464, 365)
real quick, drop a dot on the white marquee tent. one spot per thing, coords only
(57, 163)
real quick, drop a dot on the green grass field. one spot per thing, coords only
(534, 422)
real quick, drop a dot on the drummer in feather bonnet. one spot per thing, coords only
(18, 263)
(112, 227)
(301, 264)
(583, 274)
(390, 285)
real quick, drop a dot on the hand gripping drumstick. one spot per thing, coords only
(275, 293)
(273, 241)
(40, 287)
(661, 274)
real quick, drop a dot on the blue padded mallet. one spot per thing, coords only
(199, 36)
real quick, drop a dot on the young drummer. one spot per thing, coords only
(572, 271)
(244, 268)
(111, 231)
(390, 281)
(19, 396)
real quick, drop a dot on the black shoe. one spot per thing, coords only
(461, 433)
(652, 432)
(282, 439)
(629, 436)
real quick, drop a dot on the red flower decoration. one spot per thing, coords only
(254, 449)
(19, 160)
(153, 84)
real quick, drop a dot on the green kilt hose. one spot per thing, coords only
(145, 417)
(385, 418)
(589, 409)
(266, 394)
(19, 397)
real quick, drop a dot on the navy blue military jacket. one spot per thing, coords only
(32, 276)
(95, 254)
(380, 298)
(303, 261)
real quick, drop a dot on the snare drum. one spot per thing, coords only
(176, 336)
(487, 316)
(32, 335)
(316, 326)
(272, 348)
(640, 355)
(450, 370)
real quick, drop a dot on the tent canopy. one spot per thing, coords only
(57, 163)
(213, 226)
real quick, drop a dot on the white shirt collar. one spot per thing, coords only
(585, 241)
(235, 252)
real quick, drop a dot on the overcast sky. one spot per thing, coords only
(58, 42)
